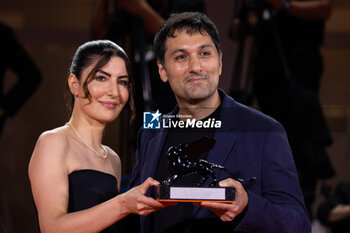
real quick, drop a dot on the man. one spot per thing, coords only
(248, 143)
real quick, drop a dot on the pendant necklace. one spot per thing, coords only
(103, 156)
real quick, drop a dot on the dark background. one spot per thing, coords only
(52, 30)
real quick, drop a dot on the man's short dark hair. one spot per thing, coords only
(192, 22)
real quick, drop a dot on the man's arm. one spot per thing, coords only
(279, 207)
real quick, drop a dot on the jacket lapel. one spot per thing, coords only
(225, 141)
(225, 136)
(153, 152)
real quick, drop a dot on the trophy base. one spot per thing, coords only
(168, 193)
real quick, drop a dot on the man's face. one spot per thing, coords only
(192, 66)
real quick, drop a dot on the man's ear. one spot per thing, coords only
(73, 84)
(162, 72)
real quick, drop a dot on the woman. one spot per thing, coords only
(74, 178)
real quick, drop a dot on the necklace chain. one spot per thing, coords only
(103, 156)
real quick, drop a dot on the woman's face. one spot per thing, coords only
(108, 91)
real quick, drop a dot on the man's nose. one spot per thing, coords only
(195, 64)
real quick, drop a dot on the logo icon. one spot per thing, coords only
(151, 120)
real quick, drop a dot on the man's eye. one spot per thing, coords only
(205, 53)
(180, 57)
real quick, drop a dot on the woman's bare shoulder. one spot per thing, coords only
(50, 147)
(54, 134)
(55, 138)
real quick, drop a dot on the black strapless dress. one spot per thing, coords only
(88, 188)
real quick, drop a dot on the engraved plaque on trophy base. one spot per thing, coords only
(194, 194)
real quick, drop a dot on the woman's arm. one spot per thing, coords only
(49, 181)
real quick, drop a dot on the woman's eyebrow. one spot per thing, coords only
(104, 72)
(123, 76)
